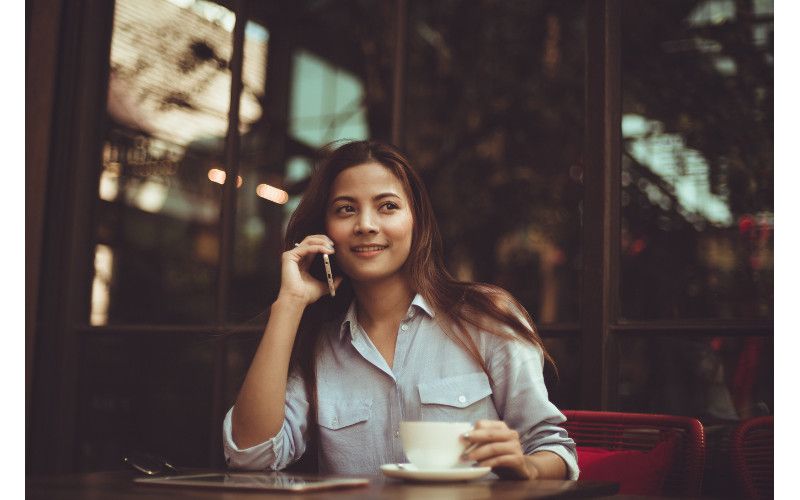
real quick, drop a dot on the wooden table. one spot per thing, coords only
(120, 485)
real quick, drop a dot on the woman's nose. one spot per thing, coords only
(366, 223)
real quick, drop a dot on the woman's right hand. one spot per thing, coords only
(296, 281)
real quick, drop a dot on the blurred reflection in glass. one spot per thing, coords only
(716, 379)
(103, 264)
(317, 72)
(494, 120)
(158, 208)
(697, 167)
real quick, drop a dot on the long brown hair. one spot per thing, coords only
(457, 304)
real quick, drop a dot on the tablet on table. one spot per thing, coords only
(255, 481)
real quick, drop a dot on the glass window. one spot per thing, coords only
(697, 167)
(158, 205)
(323, 62)
(563, 383)
(327, 102)
(713, 378)
(495, 121)
(146, 394)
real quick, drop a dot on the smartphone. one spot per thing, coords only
(323, 269)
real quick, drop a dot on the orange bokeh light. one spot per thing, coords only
(272, 193)
(218, 176)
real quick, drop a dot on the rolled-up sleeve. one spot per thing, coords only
(286, 447)
(521, 399)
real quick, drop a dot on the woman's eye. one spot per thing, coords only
(345, 209)
(390, 205)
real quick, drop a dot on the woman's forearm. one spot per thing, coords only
(548, 464)
(259, 409)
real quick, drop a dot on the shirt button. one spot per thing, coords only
(404, 328)
(397, 434)
(462, 399)
(334, 421)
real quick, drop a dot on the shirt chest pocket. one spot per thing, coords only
(336, 415)
(343, 428)
(461, 398)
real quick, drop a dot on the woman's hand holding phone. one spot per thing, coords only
(297, 283)
(259, 409)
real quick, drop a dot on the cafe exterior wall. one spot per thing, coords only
(181, 199)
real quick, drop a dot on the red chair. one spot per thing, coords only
(653, 454)
(752, 454)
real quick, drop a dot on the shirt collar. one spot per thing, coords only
(350, 320)
(421, 304)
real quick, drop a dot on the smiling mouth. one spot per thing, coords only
(369, 248)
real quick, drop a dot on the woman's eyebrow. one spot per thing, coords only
(374, 198)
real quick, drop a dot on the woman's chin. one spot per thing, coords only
(368, 278)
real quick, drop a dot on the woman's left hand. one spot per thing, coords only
(499, 447)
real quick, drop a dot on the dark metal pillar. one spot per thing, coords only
(601, 211)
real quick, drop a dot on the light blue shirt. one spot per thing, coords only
(362, 400)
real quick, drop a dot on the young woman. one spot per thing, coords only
(401, 340)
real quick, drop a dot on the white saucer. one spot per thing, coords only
(411, 472)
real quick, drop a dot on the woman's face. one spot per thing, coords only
(370, 221)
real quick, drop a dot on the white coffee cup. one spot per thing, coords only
(434, 445)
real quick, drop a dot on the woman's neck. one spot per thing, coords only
(382, 302)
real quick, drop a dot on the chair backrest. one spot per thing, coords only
(752, 457)
(643, 432)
